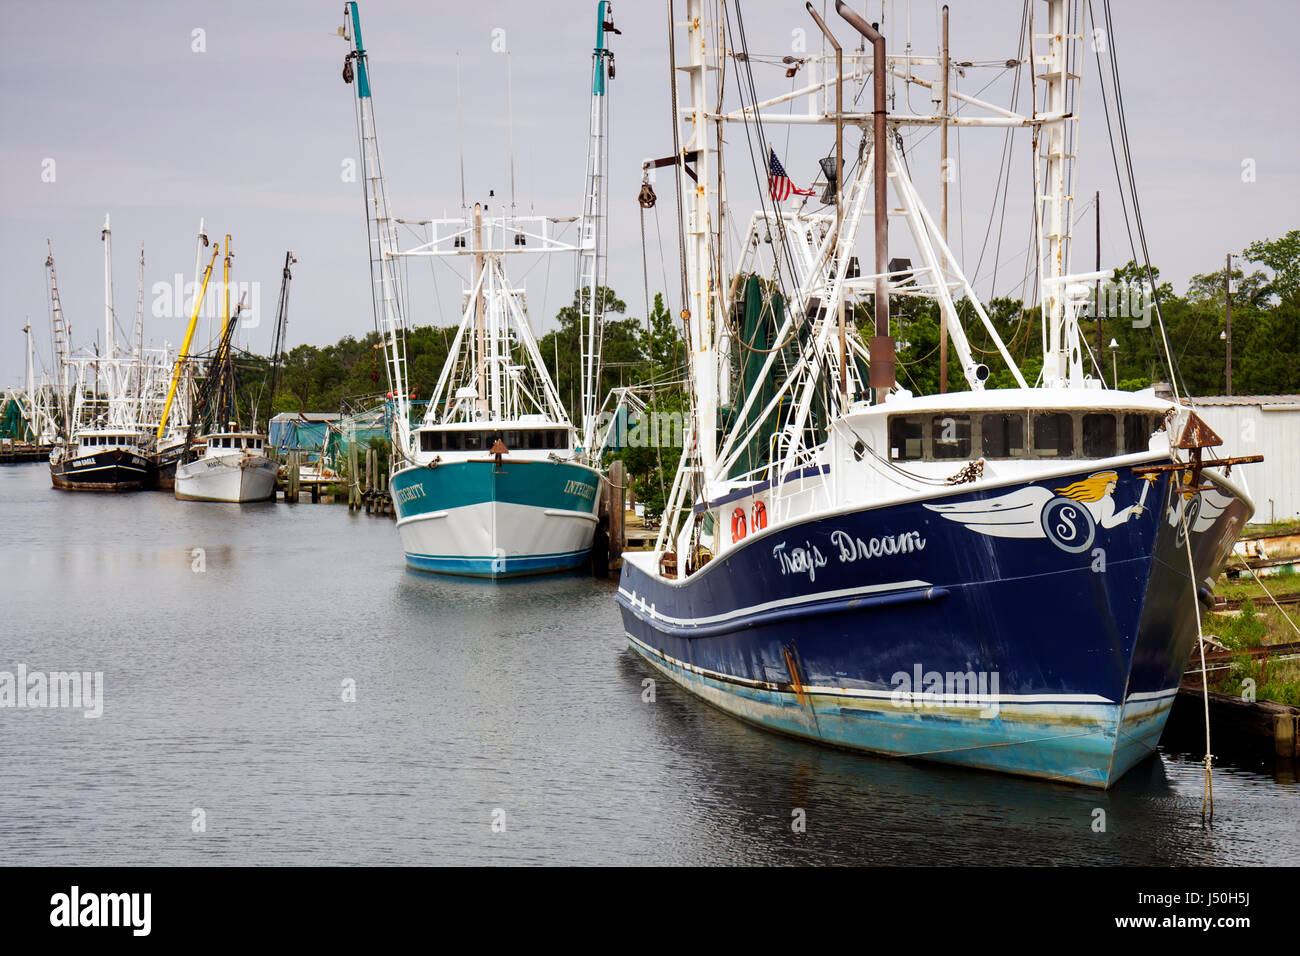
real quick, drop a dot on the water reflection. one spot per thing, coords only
(224, 689)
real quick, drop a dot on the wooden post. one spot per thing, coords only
(354, 480)
(1284, 735)
(291, 488)
(617, 504)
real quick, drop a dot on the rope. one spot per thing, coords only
(650, 349)
(1207, 798)
(1285, 616)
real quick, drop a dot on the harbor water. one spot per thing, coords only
(278, 689)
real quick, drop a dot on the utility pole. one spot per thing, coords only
(943, 202)
(1227, 327)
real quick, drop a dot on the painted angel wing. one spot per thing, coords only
(1015, 515)
(1213, 504)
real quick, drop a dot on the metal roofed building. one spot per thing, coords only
(1267, 425)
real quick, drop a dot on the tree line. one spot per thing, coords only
(645, 350)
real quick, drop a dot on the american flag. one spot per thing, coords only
(778, 183)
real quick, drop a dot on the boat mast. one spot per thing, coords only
(138, 357)
(281, 323)
(480, 327)
(109, 354)
(1063, 359)
(593, 255)
(184, 409)
(700, 279)
(29, 389)
(223, 350)
(62, 333)
(882, 344)
(386, 290)
(184, 352)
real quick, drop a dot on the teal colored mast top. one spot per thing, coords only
(598, 80)
(363, 80)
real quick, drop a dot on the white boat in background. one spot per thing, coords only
(234, 467)
(228, 464)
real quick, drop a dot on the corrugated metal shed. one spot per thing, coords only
(1267, 425)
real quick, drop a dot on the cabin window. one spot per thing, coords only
(516, 439)
(1138, 431)
(1054, 435)
(950, 436)
(1002, 435)
(1099, 435)
(907, 438)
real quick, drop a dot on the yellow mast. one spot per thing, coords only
(185, 345)
(225, 292)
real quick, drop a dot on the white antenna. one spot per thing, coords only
(110, 339)
(510, 118)
(460, 137)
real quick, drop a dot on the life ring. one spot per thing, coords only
(737, 525)
(759, 521)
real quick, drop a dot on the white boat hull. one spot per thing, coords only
(230, 478)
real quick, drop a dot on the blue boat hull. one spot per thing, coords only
(910, 630)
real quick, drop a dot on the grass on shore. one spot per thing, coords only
(1249, 628)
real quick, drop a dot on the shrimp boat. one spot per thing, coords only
(232, 466)
(101, 445)
(495, 484)
(495, 480)
(227, 463)
(101, 459)
(995, 578)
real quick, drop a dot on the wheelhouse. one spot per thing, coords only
(226, 443)
(481, 439)
(96, 440)
(1017, 433)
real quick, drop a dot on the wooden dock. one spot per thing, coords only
(15, 453)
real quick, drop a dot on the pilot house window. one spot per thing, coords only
(1053, 435)
(906, 438)
(1002, 435)
(1099, 435)
(950, 435)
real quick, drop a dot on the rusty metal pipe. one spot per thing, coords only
(882, 345)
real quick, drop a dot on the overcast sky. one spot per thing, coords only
(115, 104)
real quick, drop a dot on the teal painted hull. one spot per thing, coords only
(480, 519)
